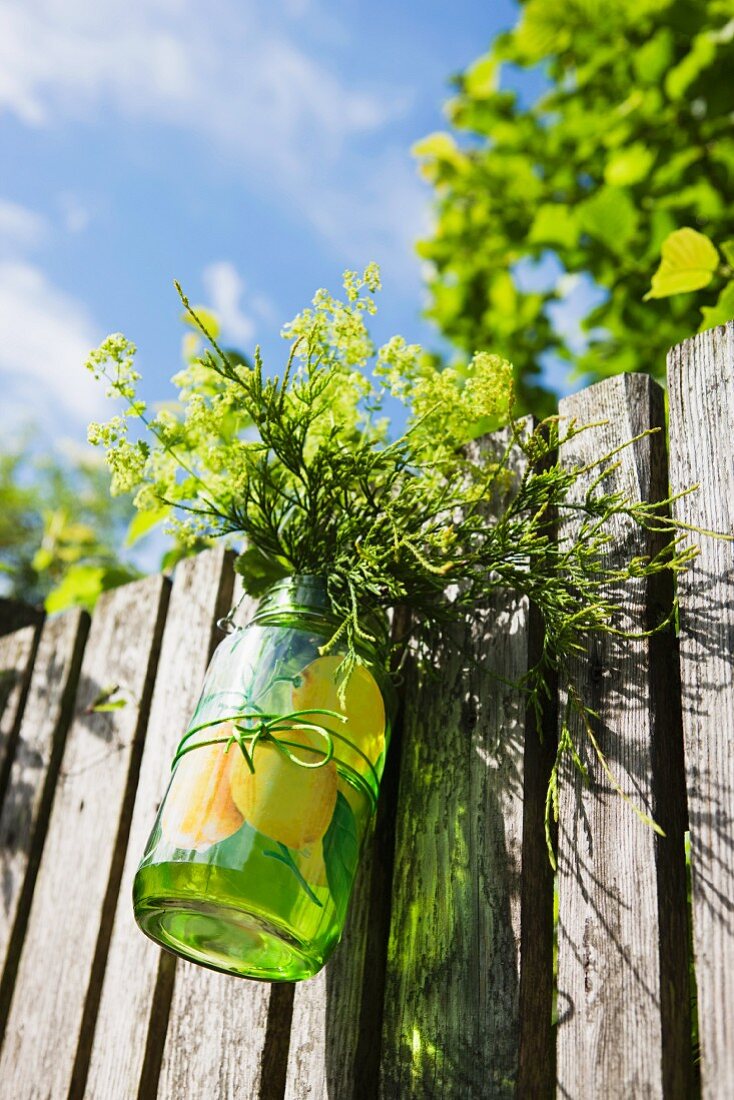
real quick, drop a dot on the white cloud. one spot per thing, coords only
(47, 336)
(75, 213)
(218, 69)
(382, 218)
(225, 287)
(235, 74)
(20, 228)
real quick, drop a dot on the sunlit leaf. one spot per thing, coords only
(439, 145)
(104, 701)
(81, 587)
(143, 522)
(481, 78)
(209, 320)
(689, 261)
(628, 165)
(727, 249)
(554, 223)
(720, 313)
(695, 61)
(609, 216)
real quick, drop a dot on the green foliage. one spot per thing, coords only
(690, 261)
(631, 141)
(314, 485)
(59, 529)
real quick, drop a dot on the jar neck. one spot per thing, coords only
(302, 592)
(306, 595)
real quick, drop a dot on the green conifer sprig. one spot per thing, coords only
(311, 483)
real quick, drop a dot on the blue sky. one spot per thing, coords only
(252, 151)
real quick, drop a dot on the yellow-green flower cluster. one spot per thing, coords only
(333, 332)
(205, 450)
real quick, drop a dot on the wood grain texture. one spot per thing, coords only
(622, 977)
(451, 1026)
(325, 1031)
(216, 1038)
(61, 967)
(132, 1020)
(25, 812)
(701, 387)
(17, 652)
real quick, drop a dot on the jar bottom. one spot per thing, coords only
(229, 940)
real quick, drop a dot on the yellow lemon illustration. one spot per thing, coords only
(199, 809)
(281, 799)
(363, 706)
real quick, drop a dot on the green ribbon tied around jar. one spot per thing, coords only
(267, 728)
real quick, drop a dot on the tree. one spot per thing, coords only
(61, 534)
(631, 140)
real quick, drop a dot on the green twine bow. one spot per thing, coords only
(266, 729)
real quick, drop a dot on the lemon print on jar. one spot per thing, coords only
(363, 708)
(281, 799)
(199, 809)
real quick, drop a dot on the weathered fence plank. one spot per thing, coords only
(221, 1023)
(701, 387)
(40, 743)
(138, 979)
(451, 1019)
(623, 1025)
(61, 966)
(17, 652)
(325, 1032)
(234, 1032)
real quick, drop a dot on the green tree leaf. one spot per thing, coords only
(609, 216)
(143, 522)
(481, 78)
(727, 249)
(81, 587)
(207, 318)
(720, 313)
(599, 168)
(629, 165)
(679, 79)
(554, 224)
(689, 261)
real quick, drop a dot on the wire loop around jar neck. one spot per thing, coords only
(227, 623)
(306, 594)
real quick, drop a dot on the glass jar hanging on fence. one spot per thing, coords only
(252, 858)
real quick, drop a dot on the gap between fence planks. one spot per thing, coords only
(131, 1024)
(701, 387)
(451, 1016)
(623, 1027)
(59, 976)
(25, 812)
(17, 652)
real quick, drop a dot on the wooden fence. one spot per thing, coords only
(445, 984)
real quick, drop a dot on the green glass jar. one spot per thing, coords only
(252, 858)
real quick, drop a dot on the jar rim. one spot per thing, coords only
(307, 593)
